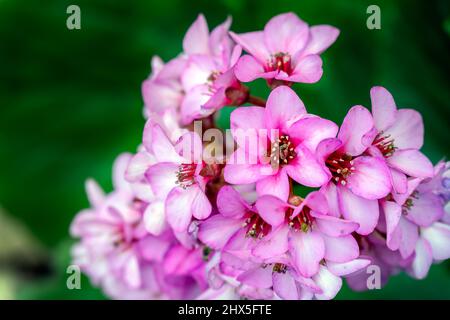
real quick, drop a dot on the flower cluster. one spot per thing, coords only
(196, 217)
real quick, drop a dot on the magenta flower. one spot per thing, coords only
(208, 78)
(399, 136)
(287, 51)
(179, 179)
(285, 138)
(358, 180)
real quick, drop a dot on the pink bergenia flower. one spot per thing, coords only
(179, 177)
(119, 255)
(287, 51)
(284, 139)
(163, 91)
(413, 223)
(208, 79)
(399, 136)
(358, 180)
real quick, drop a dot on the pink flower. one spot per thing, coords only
(208, 78)
(358, 180)
(288, 50)
(163, 91)
(399, 136)
(284, 139)
(179, 180)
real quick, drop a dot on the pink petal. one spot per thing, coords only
(201, 207)
(284, 286)
(398, 180)
(328, 282)
(384, 109)
(438, 236)
(119, 167)
(360, 210)
(321, 37)
(306, 170)
(412, 162)
(242, 173)
(276, 185)
(197, 37)
(273, 245)
(307, 250)
(132, 273)
(426, 210)
(311, 131)
(253, 43)
(248, 69)
(423, 259)
(370, 179)
(155, 218)
(285, 33)
(161, 146)
(332, 226)
(271, 209)
(162, 177)
(392, 212)
(240, 245)
(283, 107)
(407, 130)
(230, 203)
(94, 192)
(191, 107)
(347, 268)
(340, 249)
(357, 123)
(307, 70)
(217, 230)
(409, 234)
(179, 207)
(330, 192)
(259, 277)
(138, 166)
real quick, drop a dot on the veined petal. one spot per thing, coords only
(307, 250)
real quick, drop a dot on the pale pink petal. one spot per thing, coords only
(271, 209)
(412, 162)
(357, 123)
(392, 213)
(217, 230)
(138, 166)
(201, 207)
(407, 130)
(311, 131)
(321, 37)
(285, 33)
(340, 249)
(328, 282)
(306, 170)
(259, 277)
(191, 107)
(230, 203)
(332, 226)
(119, 167)
(370, 179)
(284, 286)
(94, 192)
(196, 39)
(307, 250)
(426, 209)
(276, 185)
(347, 268)
(179, 207)
(272, 245)
(248, 69)
(438, 236)
(398, 180)
(132, 273)
(283, 107)
(384, 109)
(155, 218)
(253, 43)
(360, 210)
(162, 177)
(423, 259)
(161, 146)
(409, 234)
(242, 173)
(330, 192)
(307, 70)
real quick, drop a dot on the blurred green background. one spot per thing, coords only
(70, 101)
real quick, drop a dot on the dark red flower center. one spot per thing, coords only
(303, 221)
(280, 62)
(186, 175)
(341, 167)
(256, 227)
(385, 144)
(282, 151)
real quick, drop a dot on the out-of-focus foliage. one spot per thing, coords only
(70, 101)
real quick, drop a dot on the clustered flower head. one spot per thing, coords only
(199, 214)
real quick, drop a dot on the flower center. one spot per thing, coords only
(256, 227)
(279, 267)
(341, 167)
(303, 221)
(186, 175)
(280, 62)
(282, 151)
(409, 203)
(385, 144)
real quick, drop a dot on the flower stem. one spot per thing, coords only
(257, 101)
